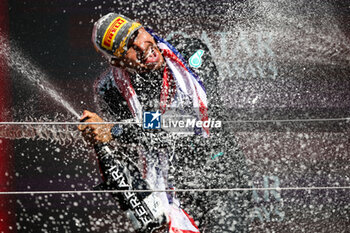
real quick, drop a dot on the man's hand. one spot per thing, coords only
(95, 134)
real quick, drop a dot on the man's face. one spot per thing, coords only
(142, 55)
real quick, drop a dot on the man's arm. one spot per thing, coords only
(120, 173)
(110, 103)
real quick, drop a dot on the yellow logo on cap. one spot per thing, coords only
(112, 31)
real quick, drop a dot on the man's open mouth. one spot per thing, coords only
(151, 56)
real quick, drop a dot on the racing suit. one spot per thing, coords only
(185, 162)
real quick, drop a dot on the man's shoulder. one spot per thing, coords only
(109, 98)
(186, 42)
(105, 82)
(187, 46)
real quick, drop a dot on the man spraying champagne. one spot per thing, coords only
(148, 73)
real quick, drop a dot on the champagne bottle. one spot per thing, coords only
(144, 209)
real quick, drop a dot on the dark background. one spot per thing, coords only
(310, 44)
